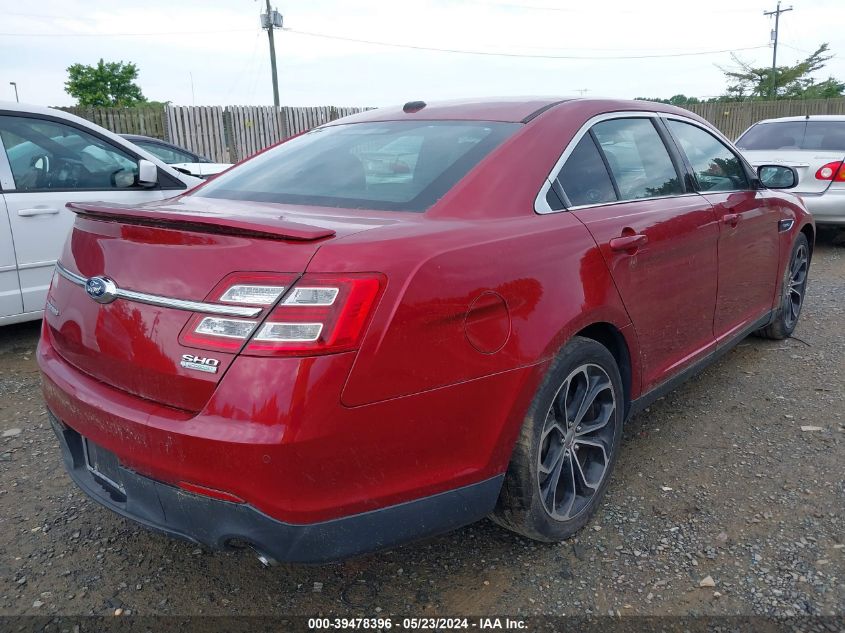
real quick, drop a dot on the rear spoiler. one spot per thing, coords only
(270, 227)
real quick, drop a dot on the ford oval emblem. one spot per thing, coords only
(101, 289)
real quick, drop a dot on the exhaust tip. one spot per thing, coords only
(266, 560)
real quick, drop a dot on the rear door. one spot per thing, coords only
(10, 289)
(54, 162)
(658, 239)
(749, 244)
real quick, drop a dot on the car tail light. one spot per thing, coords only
(832, 171)
(224, 333)
(322, 314)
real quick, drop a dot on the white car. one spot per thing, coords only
(47, 159)
(813, 145)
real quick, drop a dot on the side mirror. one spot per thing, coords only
(147, 173)
(777, 176)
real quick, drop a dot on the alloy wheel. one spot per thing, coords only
(577, 442)
(796, 285)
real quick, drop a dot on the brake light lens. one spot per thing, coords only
(322, 314)
(252, 295)
(832, 171)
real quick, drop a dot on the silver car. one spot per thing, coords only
(815, 146)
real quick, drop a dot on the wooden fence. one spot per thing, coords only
(223, 134)
(229, 134)
(733, 119)
(149, 121)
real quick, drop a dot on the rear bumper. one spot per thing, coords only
(827, 207)
(216, 523)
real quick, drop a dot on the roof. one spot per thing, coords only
(808, 117)
(508, 109)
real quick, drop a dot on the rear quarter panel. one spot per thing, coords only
(470, 299)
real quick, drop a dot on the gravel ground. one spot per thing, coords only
(723, 502)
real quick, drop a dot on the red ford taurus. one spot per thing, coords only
(410, 319)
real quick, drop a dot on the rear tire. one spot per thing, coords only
(792, 290)
(567, 447)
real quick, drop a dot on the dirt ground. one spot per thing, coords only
(720, 479)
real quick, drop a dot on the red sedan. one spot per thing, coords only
(410, 319)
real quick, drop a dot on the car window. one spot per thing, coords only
(584, 177)
(801, 135)
(715, 165)
(393, 165)
(638, 159)
(166, 154)
(47, 155)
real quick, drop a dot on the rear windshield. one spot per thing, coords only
(809, 135)
(394, 166)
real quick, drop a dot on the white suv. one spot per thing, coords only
(47, 159)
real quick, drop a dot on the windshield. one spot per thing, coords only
(395, 165)
(800, 135)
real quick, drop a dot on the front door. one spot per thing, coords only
(10, 289)
(52, 163)
(748, 229)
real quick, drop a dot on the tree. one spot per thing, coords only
(106, 84)
(794, 82)
(678, 100)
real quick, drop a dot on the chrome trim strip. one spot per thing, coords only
(166, 302)
(72, 277)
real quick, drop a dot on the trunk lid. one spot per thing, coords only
(182, 250)
(805, 162)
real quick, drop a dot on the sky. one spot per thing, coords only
(213, 52)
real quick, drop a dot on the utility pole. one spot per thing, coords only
(270, 21)
(775, 13)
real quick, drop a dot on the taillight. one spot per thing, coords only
(832, 171)
(227, 333)
(322, 314)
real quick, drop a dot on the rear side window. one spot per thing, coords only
(638, 159)
(714, 164)
(584, 177)
(394, 165)
(791, 135)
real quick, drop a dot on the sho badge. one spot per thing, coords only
(208, 365)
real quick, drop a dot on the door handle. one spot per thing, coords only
(629, 243)
(731, 219)
(28, 213)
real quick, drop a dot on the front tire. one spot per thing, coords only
(793, 289)
(567, 448)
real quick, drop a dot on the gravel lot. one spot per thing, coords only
(724, 502)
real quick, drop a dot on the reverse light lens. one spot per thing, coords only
(228, 328)
(312, 296)
(253, 295)
(289, 332)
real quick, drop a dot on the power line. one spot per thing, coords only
(126, 34)
(518, 55)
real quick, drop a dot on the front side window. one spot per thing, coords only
(166, 154)
(392, 165)
(48, 155)
(584, 177)
(714, 164)
(638, 159)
